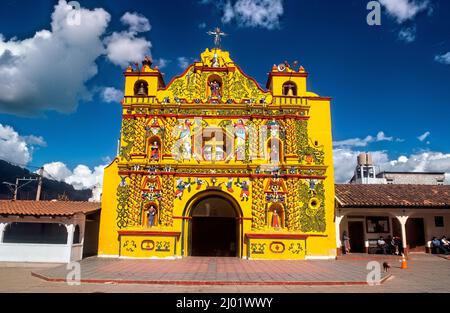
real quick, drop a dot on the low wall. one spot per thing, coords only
(24, 252)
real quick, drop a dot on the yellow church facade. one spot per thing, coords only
(212, 164)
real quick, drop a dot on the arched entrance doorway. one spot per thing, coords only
(215, 226)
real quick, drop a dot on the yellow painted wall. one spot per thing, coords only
(147, 246)
(270, 249)
(108, 237)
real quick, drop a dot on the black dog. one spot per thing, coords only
(386, 266)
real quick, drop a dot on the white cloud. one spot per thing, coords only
(382, 137)
(161, 63)
(111, 94)
(429, 161)
(345, 162)
(35, 140)
(56, 171)
(353, 142)
(137, 22)
(15, 148)
(443, 58)
(358, 142)
(403, 10)
(202, 25)
(424, 136)
(228, 13)
(49, 70)
(81, 177)
(407, 34)
(251, 13)
(124, 48)
(183, 62)
(84, 178)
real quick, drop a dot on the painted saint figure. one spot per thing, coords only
(151, 215)
(215, 89)
(275, 220)
(155, 151)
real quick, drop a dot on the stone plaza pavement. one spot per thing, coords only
(425, 273)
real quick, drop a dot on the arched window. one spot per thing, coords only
(289, 89)
(141, 88)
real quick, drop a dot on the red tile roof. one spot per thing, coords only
(359, 195)
(47, 208)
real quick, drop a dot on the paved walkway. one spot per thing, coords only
(425, 273)
(216, 271)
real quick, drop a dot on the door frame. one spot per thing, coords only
(363, 239)
(186, 240)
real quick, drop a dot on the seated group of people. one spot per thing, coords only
(392, 245)
(441, 245)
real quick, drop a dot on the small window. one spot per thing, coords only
(289, 89)
(439, 221)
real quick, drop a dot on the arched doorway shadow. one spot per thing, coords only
(214, 227)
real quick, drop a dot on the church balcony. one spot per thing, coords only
(139, 100)
(289, 100)
(150, 106)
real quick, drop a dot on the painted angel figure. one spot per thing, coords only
(181, 186)
(245, 189)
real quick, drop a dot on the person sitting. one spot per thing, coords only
(436, 243)
(445, 243)
(382, 245)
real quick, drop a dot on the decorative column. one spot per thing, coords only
(70, 231)
(291, 141)
(2, 230)
(337, 222)
(403, 219)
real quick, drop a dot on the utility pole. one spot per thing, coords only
(16, 187)
(39, 188)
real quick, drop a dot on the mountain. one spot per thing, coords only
(51, 189)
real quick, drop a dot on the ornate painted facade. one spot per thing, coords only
(213, 164)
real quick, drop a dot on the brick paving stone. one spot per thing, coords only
(426, 273)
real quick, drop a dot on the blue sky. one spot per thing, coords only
(389, 83)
